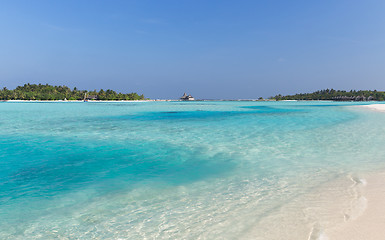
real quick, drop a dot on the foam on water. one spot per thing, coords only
(173, 170)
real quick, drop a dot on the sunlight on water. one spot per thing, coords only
(173, 170)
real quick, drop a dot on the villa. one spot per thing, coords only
(186, 97)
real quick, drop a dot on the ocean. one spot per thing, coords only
(184, 170)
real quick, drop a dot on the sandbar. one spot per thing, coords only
(377, 107)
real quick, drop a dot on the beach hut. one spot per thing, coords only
(186, 97)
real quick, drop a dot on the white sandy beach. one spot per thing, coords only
(370, 225)
(377, 107)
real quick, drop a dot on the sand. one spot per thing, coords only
(370, 225)
(377, 107)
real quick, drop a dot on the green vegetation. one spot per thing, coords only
(48, 92)
(336, 95)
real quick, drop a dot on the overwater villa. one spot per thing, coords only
(186, 97)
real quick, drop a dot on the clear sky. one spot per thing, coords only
(210, 49)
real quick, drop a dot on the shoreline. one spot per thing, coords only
(304, 200)
(349, 207)
(375, 107)
(369, 223)
(79, 101)
(371, 104)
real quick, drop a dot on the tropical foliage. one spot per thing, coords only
(336, 95)
(48, 92)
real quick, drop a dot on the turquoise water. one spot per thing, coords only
(177, 170)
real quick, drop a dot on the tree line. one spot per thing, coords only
(48, 92)
(336, 95)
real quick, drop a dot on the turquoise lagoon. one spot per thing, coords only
(183, 170)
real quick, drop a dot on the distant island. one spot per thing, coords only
(336, 95)
(48, 92)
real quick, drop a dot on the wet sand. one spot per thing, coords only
(370, 225)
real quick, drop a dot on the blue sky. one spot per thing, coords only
(210, 49)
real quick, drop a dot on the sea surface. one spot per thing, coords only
(184, 170)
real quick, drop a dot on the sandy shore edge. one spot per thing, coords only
(376, 107)
(371, 224)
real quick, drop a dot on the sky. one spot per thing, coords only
(209, 49)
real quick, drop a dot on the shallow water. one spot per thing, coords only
(182, 170)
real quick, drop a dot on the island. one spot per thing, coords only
(48, 92)
(336, 95)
